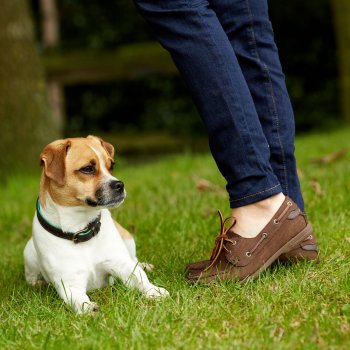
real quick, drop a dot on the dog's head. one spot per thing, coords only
(78, 171)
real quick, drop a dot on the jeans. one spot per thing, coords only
(225, 51)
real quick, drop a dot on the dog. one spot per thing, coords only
(76, 245)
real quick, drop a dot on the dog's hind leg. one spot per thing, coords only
(129, 242)
(131, 246)
(31, 265)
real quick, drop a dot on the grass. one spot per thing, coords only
(304, 306)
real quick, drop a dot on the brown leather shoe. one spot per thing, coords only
(304, 251)
(236, 258)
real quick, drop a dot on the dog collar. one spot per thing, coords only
(91, 230)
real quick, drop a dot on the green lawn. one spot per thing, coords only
(305, 306)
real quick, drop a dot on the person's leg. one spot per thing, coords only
(192, 33)
(249, 30)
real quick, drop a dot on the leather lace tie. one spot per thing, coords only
(221, 239)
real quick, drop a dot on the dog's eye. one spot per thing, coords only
(111, 167)
(89, 170)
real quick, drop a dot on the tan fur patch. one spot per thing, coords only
(61, 177)
(125, 234)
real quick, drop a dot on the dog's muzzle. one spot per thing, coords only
(117, 186)
(110, 194)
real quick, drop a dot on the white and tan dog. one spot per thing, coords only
(76, 245)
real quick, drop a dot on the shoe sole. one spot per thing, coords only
(294, 256)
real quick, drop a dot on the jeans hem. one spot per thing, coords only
(255, 197)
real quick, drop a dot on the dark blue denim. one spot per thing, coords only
(225, 51)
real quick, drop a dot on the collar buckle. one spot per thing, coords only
(91, 230)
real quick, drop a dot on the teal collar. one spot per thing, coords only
(91, 230)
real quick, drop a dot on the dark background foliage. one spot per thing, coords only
(304, 35)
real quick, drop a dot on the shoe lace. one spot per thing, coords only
(221, 239)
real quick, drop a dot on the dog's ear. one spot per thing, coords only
(107, 146)
(53, 159)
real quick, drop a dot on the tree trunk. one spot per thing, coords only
(341, 14)
(26, 120)
(50, 29)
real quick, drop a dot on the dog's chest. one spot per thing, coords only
(96, 278)
(90, 261)
(84, 263)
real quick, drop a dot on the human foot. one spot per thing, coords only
(252, 218)
(238, 258)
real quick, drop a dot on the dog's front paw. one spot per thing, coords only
(146, 266)
(37, 282)
(89, 308)
(156, 292)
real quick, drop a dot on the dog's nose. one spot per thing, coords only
(117, 185)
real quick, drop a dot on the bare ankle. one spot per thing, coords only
(252, 218)
(270, 204)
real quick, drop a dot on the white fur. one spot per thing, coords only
(74, 269)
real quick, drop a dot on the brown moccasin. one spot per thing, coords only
(304, 251)
(236, 258)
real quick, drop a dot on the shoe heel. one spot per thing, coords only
(308, 230)
(300, 237)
